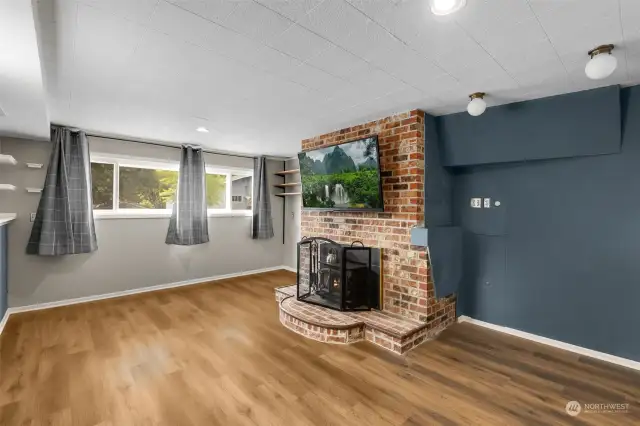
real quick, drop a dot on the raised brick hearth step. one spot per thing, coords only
(385, 329)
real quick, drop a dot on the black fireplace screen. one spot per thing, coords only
(336, 276)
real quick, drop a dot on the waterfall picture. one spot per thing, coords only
(345, 176)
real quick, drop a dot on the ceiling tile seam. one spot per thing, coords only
(624, 38)
(256, 41)
(548, 38)
(392, 34)
(286, 17)
(342, 48)
(148, 22)
(487, 52)
(73, 55)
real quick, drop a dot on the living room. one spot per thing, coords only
(319, 212)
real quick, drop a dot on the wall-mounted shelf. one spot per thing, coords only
(34, 165)
(7, 187)
(286, 194)
(287, 172)
(287, 185)
(7, 159)
(295, 186)
(34, 190)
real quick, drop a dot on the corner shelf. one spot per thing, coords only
(287, 172)
(34, 165)
(287, 185)
(34, 190)
(7, 187)
(287, 194)
(284, 194)
(7, 159)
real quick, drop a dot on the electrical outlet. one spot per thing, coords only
(487, 203)
(32, 217)
(476, 203)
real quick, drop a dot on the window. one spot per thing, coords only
(142, 188)
(241, 190)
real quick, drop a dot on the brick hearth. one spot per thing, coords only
(384, 329)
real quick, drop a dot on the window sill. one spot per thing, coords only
(163, 215)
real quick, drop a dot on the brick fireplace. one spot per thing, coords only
(408, 289)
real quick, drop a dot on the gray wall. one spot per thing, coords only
(3, 270)
(559, 257)
(132, 253)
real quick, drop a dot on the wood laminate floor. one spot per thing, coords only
(215, 354)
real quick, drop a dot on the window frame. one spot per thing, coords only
(128, 161)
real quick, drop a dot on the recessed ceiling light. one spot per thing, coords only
(445, 7)
(202, 130)
(602, 63)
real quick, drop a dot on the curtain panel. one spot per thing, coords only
(188, 224)
(262, 224)
(64, 219)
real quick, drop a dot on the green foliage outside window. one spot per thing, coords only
(142, 188)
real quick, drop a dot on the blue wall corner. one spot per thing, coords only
(558, 258)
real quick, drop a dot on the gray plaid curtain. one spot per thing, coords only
(262, 225)
(188, 225)
(64, 220)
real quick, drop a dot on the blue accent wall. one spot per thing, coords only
(560, 257)
(576, 124)
(444, 241)
(438, 188)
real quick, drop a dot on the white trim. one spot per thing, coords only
(67, 302)
(4, 320)
(289, 268)
(555, 343)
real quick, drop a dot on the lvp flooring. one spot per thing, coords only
(216, 354)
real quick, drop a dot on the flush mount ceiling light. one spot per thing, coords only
(602, 63)
(477, 105)
(445, 7)
(202, 130)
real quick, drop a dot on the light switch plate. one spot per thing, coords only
(32, 217)
(487, 203)
(476, 203)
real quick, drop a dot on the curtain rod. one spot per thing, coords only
(228, 154)
(166, 145)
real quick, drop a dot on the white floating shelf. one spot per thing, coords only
(34, 165)
(34, 189)
(7, 159)
(7, 187)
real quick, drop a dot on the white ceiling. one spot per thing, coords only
(22, 96)
(262, 75)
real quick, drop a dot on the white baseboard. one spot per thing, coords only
(289, 268)
(75, 301)
(555, 343)
(3, 321)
